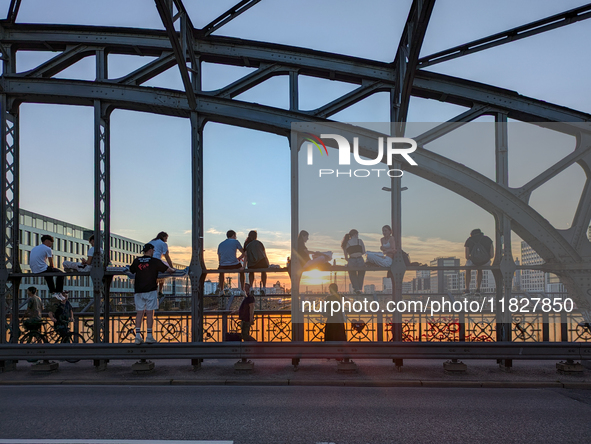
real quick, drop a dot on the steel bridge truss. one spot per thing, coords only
(566, 252)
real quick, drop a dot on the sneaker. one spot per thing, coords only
(150, 340)
(466, 292)
(138, 340)
(477, 293)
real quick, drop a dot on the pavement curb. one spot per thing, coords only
(324, 383)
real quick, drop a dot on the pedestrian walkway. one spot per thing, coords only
(313, 372)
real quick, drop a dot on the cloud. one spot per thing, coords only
(213, 231)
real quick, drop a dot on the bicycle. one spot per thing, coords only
(64, 336)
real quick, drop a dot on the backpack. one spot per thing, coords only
(479, 255)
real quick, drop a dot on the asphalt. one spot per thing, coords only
(313, 372)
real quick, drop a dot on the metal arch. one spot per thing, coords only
(445, 172)
(308, 62)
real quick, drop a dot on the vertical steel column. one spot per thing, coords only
(503, 254)
(294, 95)
(297, 322)
(102, 217)
(398, 269)
(9, 202)
(197, 260)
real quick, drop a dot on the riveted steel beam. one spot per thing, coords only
(179, 46)
(406, 60)
(511, 35)
(61, 61)
(345, 101)
(227, 16)
(251, 80)
(13, 10)
(150, 70)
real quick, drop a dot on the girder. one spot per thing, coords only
(511, 35)
(320, 64)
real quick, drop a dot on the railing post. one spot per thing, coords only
(102, 215)
(196, 269)
(297, 322)
(9, 202)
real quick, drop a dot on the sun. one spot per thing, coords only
(315, 277)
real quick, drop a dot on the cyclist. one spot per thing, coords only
(33, 313)
(61, 313)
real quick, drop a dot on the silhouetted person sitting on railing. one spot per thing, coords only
(228, 260)
(303, 254)
(256, 257)
(85, 264)
(387, 247)
(161, 249)
(354, 250)
(37, 262)
(479, 252)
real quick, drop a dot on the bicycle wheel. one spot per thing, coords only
(73, 338)
(33, 337)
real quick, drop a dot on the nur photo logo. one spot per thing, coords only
(389, 147)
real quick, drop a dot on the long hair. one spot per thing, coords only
(252, 235)
(301, 235)
(348, 237)
(161, 236)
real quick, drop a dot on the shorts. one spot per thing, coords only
(146, 301)
(230, 267)
(470, 264)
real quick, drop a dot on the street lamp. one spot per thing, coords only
(390, 189)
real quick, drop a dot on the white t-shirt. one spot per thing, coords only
(90, 252)
(160, 248)
(37, 258)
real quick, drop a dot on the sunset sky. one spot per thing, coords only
(247, 183)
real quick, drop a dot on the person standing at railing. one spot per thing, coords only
(479, 251)
(161, 249)
(256, 257)
(37, 263)
(228, 260)
(146, 269)
(354, 249)
(334, 327)
(246, 315)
